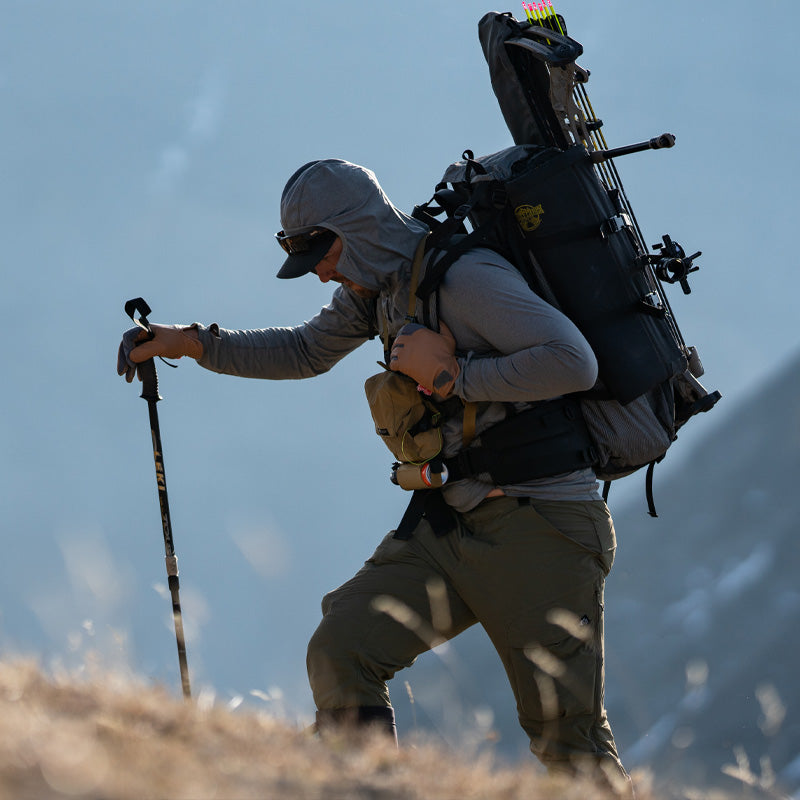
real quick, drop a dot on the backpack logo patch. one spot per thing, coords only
(529, 217)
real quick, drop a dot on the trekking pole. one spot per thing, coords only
(147, 371)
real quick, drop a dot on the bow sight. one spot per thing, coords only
(672, 265)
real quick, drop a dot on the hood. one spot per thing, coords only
(378, 239)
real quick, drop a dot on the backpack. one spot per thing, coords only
(554, 206)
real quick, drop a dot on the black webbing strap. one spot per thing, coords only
(548, 439)
(651, 505)
(600, 230)
(648, 484)
(428, 503)
(416, 266)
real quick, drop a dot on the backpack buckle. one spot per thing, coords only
(615, 224)
(461, 213)
(499, 197)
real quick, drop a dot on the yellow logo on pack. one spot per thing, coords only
(529, 217)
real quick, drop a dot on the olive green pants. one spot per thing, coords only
(532, 573)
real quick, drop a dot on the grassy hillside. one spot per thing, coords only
(107, 738)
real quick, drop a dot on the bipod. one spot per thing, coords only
(149, 376)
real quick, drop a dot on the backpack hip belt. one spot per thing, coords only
(547, 439)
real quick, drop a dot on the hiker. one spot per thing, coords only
(527, 559)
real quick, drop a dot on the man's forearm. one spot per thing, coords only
(539, 373)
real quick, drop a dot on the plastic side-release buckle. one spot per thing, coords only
(499, 197)
(615, 224)
(462, 212)
(651, 304)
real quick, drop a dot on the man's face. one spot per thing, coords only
(326, 271)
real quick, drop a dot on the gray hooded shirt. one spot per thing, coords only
(512, 346)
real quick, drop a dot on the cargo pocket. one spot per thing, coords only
(555, 666)
(556, 681)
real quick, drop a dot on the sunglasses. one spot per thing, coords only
(302, 243)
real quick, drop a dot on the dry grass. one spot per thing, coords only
(108, 738)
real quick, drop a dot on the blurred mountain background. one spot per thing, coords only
(143, 150)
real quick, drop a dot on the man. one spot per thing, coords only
(527, 558)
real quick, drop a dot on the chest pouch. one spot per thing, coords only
(408, 423)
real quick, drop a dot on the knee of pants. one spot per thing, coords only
(557, 683)
(329, 666)
(341, 672)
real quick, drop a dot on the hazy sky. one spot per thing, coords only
(143, 149)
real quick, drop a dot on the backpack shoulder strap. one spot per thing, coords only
(445, 241)
(416, 268)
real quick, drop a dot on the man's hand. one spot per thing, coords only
(169, 341)
(427, 357)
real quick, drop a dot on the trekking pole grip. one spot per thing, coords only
(147, 369)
